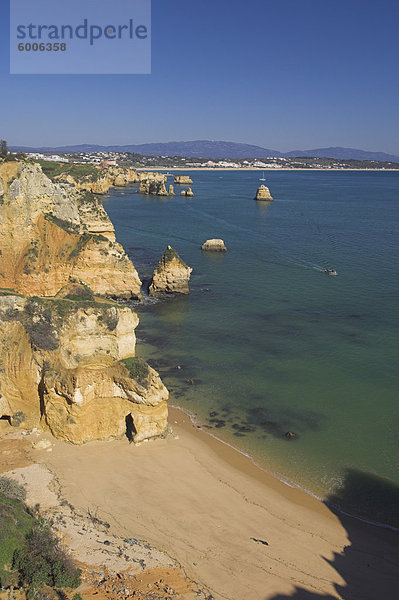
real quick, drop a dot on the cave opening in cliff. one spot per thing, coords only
(6, 418)
(130, 428)
(41, 390)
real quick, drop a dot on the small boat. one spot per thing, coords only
(263, 177)
(330, 272)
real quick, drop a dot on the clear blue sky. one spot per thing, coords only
(284, 74)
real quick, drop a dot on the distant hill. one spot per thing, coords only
(344, 153)
(215, 149)
(194, 149)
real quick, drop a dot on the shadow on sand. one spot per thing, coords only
(369, 564)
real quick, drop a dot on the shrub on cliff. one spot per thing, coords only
(15, 524)
(42, 561)
(12, 489)
(137, 367)
(30, 553)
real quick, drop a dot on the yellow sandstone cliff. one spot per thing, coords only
(104, 180)
(52, 232)
(67, 354)
(69, 366)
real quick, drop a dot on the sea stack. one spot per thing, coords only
(171, 191)
(214, 245)
(171, 275)
(153, 184)
(263, 193)
(187, 192)
(183, 180)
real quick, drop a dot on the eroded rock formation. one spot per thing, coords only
(183, 180)
(153, 184)
(67, 353)
(100, 180)
(187, 192)
(52, 232)
(214, 245)
(68, 365)
(263, 193)
(171, 275)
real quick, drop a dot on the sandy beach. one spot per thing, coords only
(233, 528)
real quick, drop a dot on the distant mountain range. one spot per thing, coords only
(215, 149)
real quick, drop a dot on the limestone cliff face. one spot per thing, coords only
(69, 366)
(104, 180)
(51, 233)
(263, 193)
(67, 354)
(171, 275)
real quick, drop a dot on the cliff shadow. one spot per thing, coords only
(369, 564)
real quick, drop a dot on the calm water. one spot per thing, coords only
(271, 342)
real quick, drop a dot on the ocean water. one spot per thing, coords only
(267, 343)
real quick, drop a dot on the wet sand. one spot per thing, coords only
(231, 526)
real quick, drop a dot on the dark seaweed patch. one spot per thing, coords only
(277, 424)
(217, 422)
(159, 363)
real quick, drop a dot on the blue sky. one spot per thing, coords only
(284, 74)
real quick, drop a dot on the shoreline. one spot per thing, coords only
(195, 423)
(233, 527)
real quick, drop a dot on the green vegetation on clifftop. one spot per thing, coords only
(137, 367)
(78, 172)
(30, 553)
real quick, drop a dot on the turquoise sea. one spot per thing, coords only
(267, 343)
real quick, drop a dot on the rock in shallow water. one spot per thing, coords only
(214, 245)
(171, 275)
(263, 193)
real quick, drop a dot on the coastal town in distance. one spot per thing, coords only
(140, 161)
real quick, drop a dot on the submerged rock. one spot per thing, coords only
(171, 275)
(263, 193)
(214, 245)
